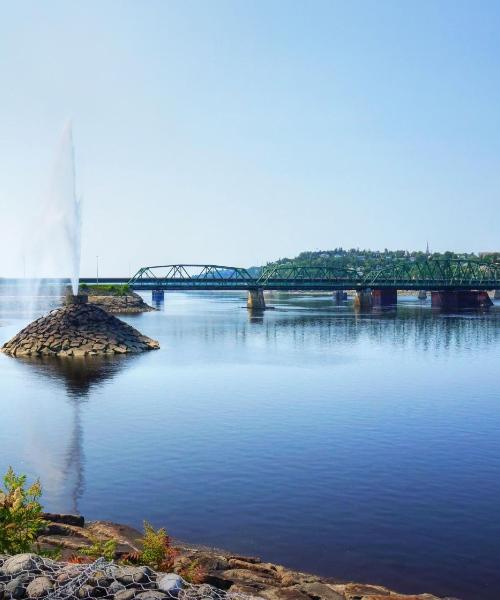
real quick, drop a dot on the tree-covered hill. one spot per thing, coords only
(355, 257)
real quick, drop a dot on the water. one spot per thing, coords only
(360, 447)
(55, 234)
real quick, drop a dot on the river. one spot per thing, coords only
(360, 446)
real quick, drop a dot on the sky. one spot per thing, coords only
(238, 132)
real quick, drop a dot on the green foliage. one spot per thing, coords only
(20, 514)
(157, 551)
(105, 289)
(355, 257)
(192, 572)
(53, 553)
(100, 549)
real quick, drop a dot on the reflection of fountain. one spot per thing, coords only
(78, 378)
(75, 457)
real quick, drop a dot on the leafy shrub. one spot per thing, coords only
(192, 572)
(102, 289)
(157, 550)
(53, 553)
(20, 514)
(99, 549)
(159, 554)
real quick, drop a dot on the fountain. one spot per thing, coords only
(78, 328)
(57, 241)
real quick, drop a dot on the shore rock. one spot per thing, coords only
(221, 569)
(78, 330)
(128, 304)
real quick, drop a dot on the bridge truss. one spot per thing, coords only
(432, 274)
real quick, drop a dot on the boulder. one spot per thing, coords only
(39, 587)
(151, 595)
(21, 563)
(171, 584)
(130, 575)
(16, 588)
(125, 594)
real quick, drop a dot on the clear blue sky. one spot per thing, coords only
(239, 132)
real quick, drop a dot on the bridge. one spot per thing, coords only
(453, 283)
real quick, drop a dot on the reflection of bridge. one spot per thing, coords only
(453, 282)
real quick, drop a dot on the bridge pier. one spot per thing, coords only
(385, 297)
(460, 299)
(340, 296)
(422, 295)
(158, 296)
(363, 299)
(497, 295)
(255, 300)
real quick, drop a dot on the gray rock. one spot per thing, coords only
(16, 588)
(320, 590)
(129, 575)
(116, 587)
(40, 586)
(171, 583)
(86, 591)
(125, 595)
(21, 562)
(150, 595)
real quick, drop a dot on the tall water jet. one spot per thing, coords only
(49, 239)
(61, 224)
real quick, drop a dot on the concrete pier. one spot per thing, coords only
(385, 297)
(422, 295)
(158, 296)
(340, 296)
(460, 299)
(497, 295)
(256, 300)
(363, 299)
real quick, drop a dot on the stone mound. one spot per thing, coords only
(78, 330)
(129, 304)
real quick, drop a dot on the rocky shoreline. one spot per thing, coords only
(128, 304)
(224, 570)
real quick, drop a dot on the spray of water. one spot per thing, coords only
(62, 217)
(58, 239)
(52, 255)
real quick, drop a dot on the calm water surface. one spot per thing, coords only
(364, 447)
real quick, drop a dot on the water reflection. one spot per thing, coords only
(78, 377)
(411, 328)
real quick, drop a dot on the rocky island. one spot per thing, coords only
(116, 299)
(78, 329)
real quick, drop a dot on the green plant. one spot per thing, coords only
(20, 514)
(157, 549)
(53, 553)
(192, 572)
(100, 548)
(159, 554)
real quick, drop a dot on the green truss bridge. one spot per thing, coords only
(453, 283)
